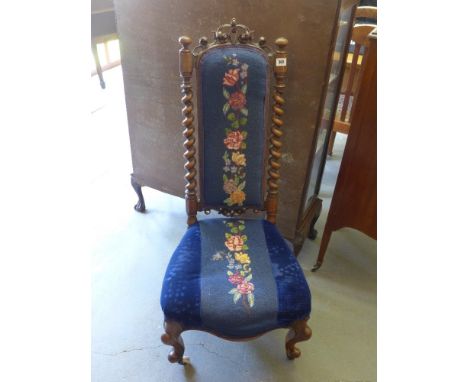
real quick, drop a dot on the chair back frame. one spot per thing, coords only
(232, 34)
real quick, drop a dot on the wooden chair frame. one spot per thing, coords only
(232, 34)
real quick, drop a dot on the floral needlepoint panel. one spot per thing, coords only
(236, 111)
(239, 272)
(237, 279)
(233, 100)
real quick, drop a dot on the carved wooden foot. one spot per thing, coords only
(140, 206)
(299, 332)
(172, 337)
(317, 266)
(312, 232)
(323, 247)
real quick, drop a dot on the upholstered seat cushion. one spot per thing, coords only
(236, 278)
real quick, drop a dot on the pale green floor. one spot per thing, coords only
(130, 254)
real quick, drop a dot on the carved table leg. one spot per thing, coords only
(172, 337)
(323, 248)
(299, 331)
(312, 231)
(140, 206)
(98, 65)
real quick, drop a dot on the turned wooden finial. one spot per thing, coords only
(281, 43)
(185, 41)
(185, 57)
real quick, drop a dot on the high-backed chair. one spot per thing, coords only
(233, 277)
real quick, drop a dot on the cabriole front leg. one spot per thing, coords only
(172, 338)
(299, 331)
(140, 206)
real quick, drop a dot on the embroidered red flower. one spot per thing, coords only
(234, 140)
(245, 287)
(237, 100)
(236, 279)
(234, 243)
(231, 77)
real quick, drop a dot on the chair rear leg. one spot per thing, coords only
(299, 331)
(172, 338)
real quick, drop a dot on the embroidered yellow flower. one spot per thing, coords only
(242, 258)
(237, 196)
(238, 158)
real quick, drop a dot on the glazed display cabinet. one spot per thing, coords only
(311, 204)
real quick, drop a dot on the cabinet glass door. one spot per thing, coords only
(326, 123)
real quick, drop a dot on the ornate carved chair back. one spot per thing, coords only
(233, 95)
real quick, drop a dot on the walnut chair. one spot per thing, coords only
(233, 277)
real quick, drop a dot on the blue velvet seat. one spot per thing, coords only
(235, 278)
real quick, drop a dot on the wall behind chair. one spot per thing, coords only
(149, 31)
(101, 5)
